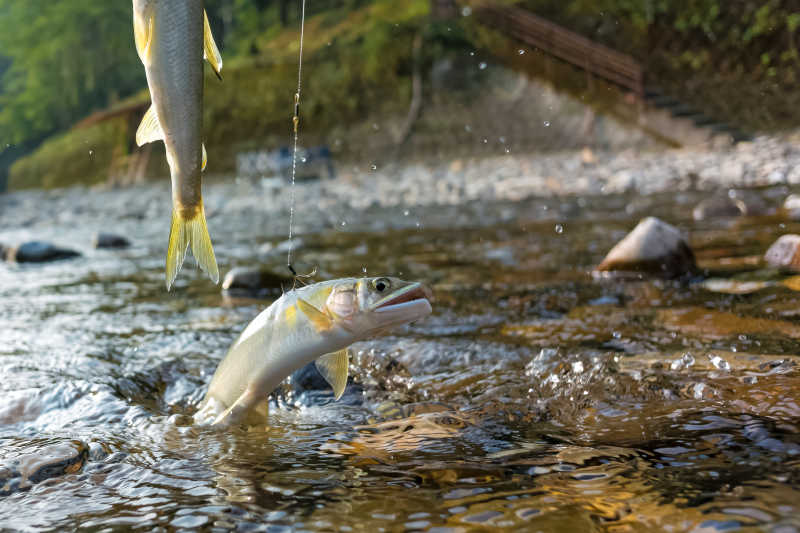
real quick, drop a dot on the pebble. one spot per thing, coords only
(110, 240)
(785, 253)
(38, 252)
(792, 206)
(653, 247)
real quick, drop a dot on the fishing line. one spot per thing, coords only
(296, 127)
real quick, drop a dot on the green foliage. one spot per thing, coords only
(357, 62)
(66, 58)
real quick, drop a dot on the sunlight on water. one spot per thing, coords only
(534, 397)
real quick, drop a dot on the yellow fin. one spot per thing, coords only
(185, 231)
(333, 367)
(149, 128)
(210, 50)
(205, 157)
(143, 35)
(320, 320)
(248, 409)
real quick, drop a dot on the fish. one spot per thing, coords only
(314, 323)
(170, 37)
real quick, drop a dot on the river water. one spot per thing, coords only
(535, 396)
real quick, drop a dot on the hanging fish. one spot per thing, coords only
(314, 323)
(170, 37)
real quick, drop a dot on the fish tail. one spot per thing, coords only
(189, 228)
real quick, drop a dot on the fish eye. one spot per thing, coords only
(381, 284)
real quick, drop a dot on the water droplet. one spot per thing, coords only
(374, 167)
(520, 51)
(559, 229)
(485, 141)
(343, 223)
(508, 151)
(405, 213)
(364, 269)
(472, 53)
(482, 65)
(546, 123)
(303, 159)
(91, 152)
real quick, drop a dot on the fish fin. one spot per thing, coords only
(333, 367)
(205, 157)
(210, 50)
(320, 320)
(149, 129)
(188, 230)
(143, 35)
(241, 411)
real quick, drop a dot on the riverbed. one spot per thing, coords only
(536, 396)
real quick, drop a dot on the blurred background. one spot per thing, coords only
(398, 81)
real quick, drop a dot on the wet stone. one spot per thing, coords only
(792, 206)
(109, 240)
(48, 461)
(653, 247)
(254, 281)
(38, 252)
(719, 206)
(785, 253)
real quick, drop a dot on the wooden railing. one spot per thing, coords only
(618, 68)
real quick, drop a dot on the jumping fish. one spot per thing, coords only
(170, 37)
(317, 322)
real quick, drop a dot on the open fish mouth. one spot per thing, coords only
(414, 293)
(413, 296)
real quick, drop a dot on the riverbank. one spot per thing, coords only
(766, 161)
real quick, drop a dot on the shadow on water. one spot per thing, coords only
(534, 397)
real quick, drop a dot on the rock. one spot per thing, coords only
(254, 281)
(731, 203)
(38, 252)
(653, 247)
(718, 206)
(792, 206)
(109, 240)
(47, 460)
(785, 253)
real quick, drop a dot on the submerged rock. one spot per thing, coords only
(109, 240)
(48, 461)
(254, 281)
(785, 253)
(38, 252)
(653, 247)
